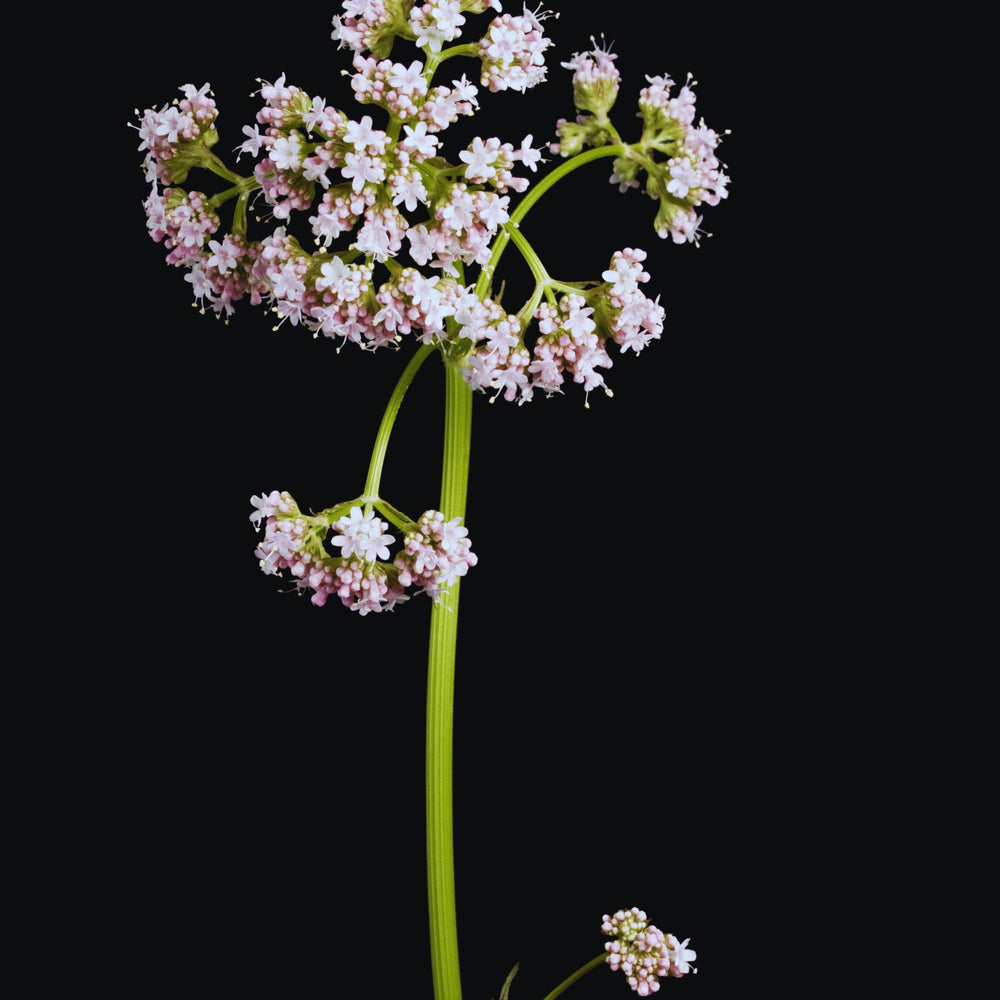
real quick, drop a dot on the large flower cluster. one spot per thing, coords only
(377, 200)
(678, 157)
(364, 575)
(352, 180)
(643, 952)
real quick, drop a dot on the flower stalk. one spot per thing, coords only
(440, 706)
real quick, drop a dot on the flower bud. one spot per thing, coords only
(595, 82)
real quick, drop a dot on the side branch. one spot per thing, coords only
(529, 200)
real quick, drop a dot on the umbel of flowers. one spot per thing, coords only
(406, 240)
(643, 952)
(433, 555)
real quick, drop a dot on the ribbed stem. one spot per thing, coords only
(440, 706)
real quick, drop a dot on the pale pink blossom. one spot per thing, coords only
(362, 535)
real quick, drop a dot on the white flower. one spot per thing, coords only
(683, 178)
(478, 159)
(286, 153)
(528, 156)
(361, 534)
(356, 8)
(464, 90)
(361, 134)
(409, 191)
(362, 168)
(418, 141)
(332, 273)
(254, 142)
(406, 77)
(680, 954)
(424, 290)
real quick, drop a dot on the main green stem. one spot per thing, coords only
(440, 705)
(444, 640)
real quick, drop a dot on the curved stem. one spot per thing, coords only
(579, 974)
(503, 237)
(440, 706)
(374, 477)
(528, 253)
(434, 59)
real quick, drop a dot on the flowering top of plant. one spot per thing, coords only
(386, 194)
(398, 228)
(643, 952)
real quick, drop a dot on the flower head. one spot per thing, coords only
(643, 952)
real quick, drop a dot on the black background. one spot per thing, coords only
(640, 599)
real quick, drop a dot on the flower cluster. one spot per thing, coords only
(184, 221)
(513, 52)
(363, 576)
(595, 82)
(435, 553)
(353, 180)
(643, 952)
(386, 199)
(678, 156)
(573, 332)
(176, 136)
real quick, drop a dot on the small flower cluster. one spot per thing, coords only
(513, 52)
(435, 553)
(595, 82)
(632, 319)
(568, 345)
(643, 952)
(573, 334)
(679, 157)
(692, 174)
(228, 273)
(175, 135)
(184, 221)
(464, 224)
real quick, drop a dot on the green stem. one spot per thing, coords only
(440, 706)
(388, 419)
(528, 253)
(213, 163)
(434, 59)
(503, 237)
(579, 974)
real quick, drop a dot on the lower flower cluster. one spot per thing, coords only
(434, 554)
(643, 952)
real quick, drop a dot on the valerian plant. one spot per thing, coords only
(407, 242)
